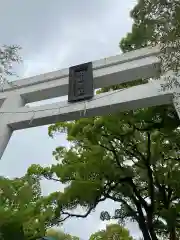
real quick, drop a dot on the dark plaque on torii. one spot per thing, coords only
(80, 82)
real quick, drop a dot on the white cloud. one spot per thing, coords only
(79, 38)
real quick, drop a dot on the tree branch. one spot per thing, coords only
(53, 179)
(69, 215)
(115, 199)
(112, 149)
(114, 153)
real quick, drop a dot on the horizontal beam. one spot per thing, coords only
(145, 95)
(130, 66)
(121, 58)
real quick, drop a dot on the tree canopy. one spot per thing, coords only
(131, 158)
(112, 232)
(60, 235)
(23, 206)
(157, 22)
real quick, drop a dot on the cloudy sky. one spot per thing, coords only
(54, 35)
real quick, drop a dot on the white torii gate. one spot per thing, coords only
(138, 64)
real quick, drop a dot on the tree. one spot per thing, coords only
(59, 235)
(131, 158)
(157, 22)
(8, 56)
(112, 232)
(23, 206)
(18, 199)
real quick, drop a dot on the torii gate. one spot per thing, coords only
(138, 64)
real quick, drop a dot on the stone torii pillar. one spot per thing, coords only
(138, 64)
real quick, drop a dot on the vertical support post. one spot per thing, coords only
(11, 103)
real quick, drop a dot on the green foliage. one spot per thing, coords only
(8, 56)
(157, 22)
(21, 203)
(131, 158)
(59, 235)
(12, 230)
(112, 232)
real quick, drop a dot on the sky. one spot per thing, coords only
(54, 35)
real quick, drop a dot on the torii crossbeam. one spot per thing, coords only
(143, 63)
